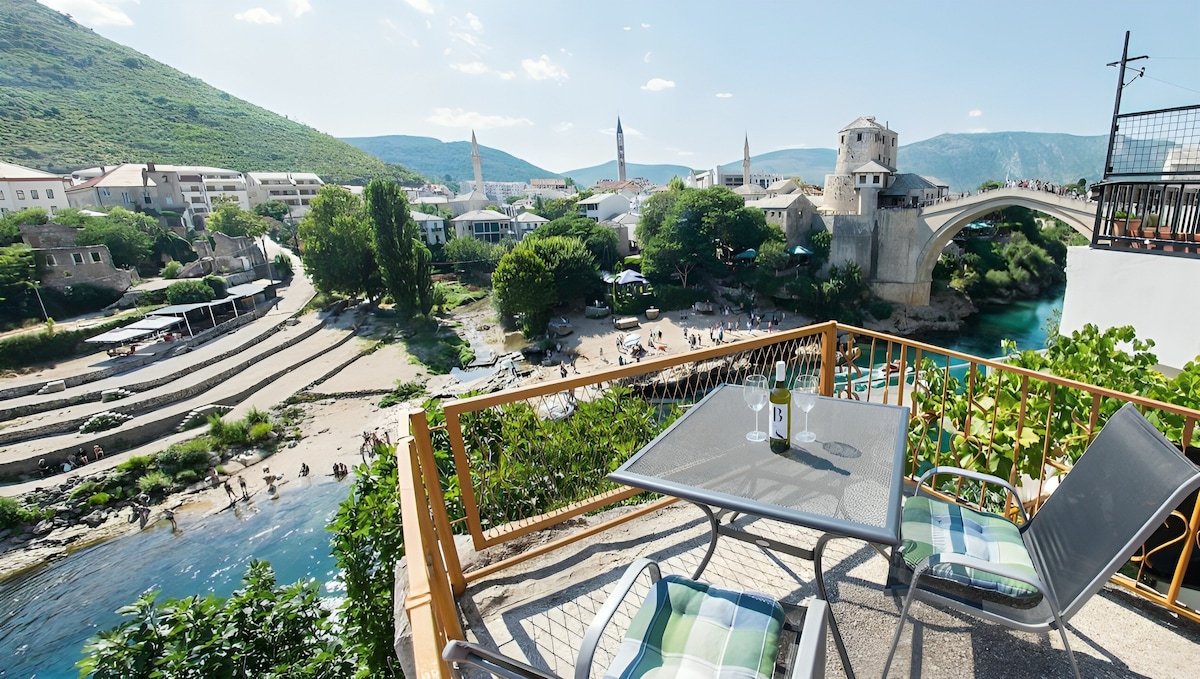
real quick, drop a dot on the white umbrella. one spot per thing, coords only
(632, 339)
(630, 276)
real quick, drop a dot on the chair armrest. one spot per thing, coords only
(467, 653)
(987, 567)
(978, 476)
(810, 655)
(587, 649)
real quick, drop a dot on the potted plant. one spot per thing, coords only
(1119, 222)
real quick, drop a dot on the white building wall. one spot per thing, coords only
(1110, 288)
(21, 194)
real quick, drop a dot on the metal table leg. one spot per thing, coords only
(820, 578)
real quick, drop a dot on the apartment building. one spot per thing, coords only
(296, 189)
(24, 187)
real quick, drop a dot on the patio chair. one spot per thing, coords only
(1036, 576)
(682, 628)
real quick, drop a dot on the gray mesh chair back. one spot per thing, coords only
(1116, 495)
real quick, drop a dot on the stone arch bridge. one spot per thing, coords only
(906, 252)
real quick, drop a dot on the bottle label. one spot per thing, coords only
(779, 421)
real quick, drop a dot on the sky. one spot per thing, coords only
(546, 81)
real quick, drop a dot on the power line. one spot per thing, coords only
(1170, 83)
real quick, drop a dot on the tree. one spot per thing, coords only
(600, 240)
(262, 630)
(191, 291)
(570, 264)
(338, 252)
(396, 246)
(275, 209)
(127, 244)
(18, 275)
(524, 289)
(10, 224)
(230, 219)
(472, 257)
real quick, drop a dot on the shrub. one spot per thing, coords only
(189, 292)
(171, 270)
(136, 464)
(11, 513)
(30, 348)
(99, 499)
(283, 266)
(84, 489)
(187, 477)
(256, 416)
(880, 309)
(671, 297)
(260, 431)
(154, 482)
(403, 392)
(218, 284)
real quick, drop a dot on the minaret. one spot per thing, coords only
(620, 152)
(475, 162)
(746, 162)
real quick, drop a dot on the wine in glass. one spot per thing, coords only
(756, 394)
(804, 397)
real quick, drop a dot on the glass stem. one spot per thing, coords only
(805, 420)
(756, 414)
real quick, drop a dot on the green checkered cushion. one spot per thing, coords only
(691, 629)
(930, 526)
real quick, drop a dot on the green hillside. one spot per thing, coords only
(448, 161)
(70, 98)
(967, 160)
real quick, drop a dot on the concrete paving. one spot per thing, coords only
(539, 610)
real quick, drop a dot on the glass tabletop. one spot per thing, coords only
(846, 482)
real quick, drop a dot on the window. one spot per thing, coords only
(49, 193)
(843, 139)
(860, 136)
(1, 195)
(50, 261)
(33, 194)
(146, 197)
(95, 257)
(53, 209)
(874, 179)
(125, 197)
(170, 200)
(78, 257)
(20, 195)
(105, 193)
(862, 179)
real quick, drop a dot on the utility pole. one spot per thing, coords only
(1112, 135)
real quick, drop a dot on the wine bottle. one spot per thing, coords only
(781, 411)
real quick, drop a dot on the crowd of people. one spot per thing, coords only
(1047, 187)
(73, 461)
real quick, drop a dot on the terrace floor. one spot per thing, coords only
(538, 610)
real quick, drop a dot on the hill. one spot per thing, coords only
(811, 165)
(658, 174)
(967, 160)
(70, 98)
(448, 161)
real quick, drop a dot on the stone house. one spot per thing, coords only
(62, 263)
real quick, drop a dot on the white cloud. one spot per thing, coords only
(646, 59)
(299, 8)
(542, 69)
(724, 95)
(627, 28)
(465, 37)
(421, 6)
(564, 126)
(645, 25)
(456, 117)
(471, 68)
(974, 113)
(474, 22)
(447, 51)
(658, 84)
(92, 12)
(258, 15)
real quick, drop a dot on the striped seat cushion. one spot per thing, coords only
(931, 526)
(691, 629)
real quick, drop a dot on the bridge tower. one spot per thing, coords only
(477, 163)
(861, 143)
(620, 152)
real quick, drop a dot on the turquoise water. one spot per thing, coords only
(47, 615)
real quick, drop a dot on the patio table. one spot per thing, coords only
(846, 484)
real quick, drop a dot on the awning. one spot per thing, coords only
(799, 250)
(630, 276)
(178, 309)
(247, 289)
(119, 336)
(155, 323)
(749, 254)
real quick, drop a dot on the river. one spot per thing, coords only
(47, 615)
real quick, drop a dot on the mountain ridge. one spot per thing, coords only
(962, 160)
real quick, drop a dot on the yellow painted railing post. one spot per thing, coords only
(419, 426)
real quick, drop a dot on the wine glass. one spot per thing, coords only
(756, 395)
(804, 397)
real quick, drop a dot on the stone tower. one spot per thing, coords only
(475, 161)
(620, 152)
(746, 162)
(860, 143)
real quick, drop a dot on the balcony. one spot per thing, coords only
(525, 566)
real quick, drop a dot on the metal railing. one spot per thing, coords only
(1160, 216)
(506, 464)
